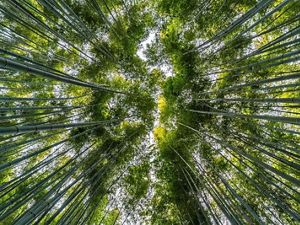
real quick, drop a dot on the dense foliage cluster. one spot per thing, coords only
(149, 112)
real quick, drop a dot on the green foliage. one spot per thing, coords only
(149, 112)
(137, 181)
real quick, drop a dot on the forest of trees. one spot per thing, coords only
(149, 112)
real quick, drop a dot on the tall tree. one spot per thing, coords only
(149, 112)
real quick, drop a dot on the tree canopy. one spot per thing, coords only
(149, 112)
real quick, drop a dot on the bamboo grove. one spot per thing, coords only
(149, 112)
